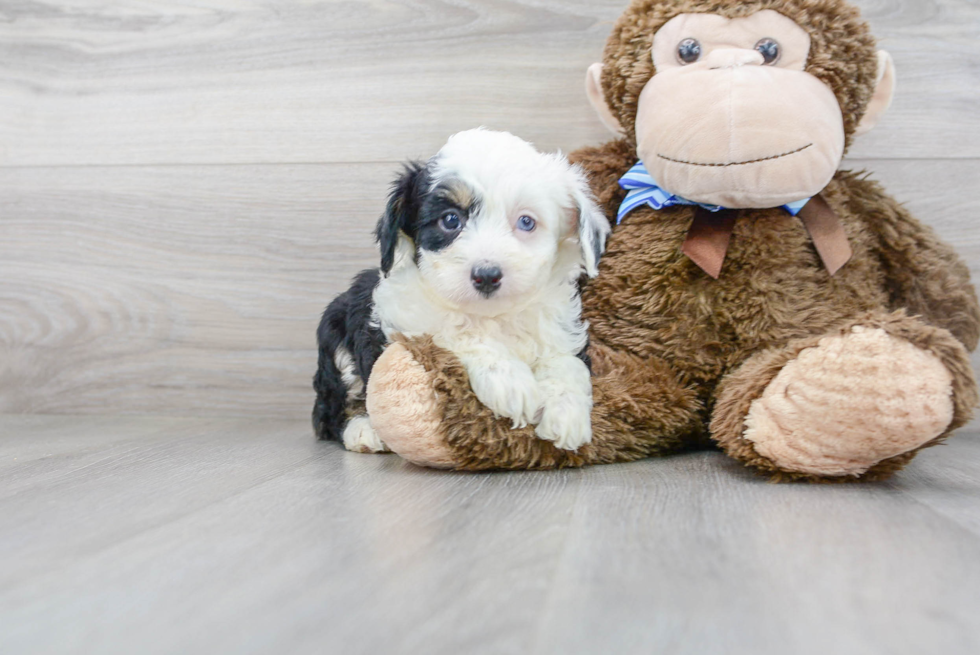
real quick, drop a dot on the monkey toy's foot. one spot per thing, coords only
(857, 402)
(403, 406)
(850, 402)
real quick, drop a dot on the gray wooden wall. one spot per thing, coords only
(184, 185)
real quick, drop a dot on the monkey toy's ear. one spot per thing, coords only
(400, 213)
(593, 228)
(593, 88)
(882, 97)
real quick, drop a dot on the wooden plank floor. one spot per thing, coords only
(151, 535)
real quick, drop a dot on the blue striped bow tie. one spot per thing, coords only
(643, 190)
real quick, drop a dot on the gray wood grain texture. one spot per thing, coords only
(123, 535)
(129, 82)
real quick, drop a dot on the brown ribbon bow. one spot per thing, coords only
(707, 240)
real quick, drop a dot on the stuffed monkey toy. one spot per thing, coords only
(752, 297)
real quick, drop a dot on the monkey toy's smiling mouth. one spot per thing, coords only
(734, 163)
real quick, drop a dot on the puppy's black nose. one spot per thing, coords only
(486, 279)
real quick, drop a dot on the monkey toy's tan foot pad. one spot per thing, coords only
(404, 409)
(850, 402)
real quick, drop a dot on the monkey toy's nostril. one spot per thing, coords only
(486, 279)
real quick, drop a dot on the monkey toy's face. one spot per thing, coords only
(731, 117)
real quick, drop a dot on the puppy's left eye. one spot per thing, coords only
(450, 222)
(526, 223)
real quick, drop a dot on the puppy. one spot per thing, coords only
(482, 247)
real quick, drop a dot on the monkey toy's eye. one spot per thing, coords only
(769, 50)
(450, 222)
(689, 51)
(526, 224)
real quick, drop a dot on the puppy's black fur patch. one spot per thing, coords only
(418, 212)
(402, 211)
(430, 233)
(346, 323)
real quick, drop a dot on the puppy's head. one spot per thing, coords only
(490, 221)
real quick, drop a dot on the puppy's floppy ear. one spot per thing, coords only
(593, 228)
(402, 209)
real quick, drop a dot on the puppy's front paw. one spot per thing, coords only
(567, 420)
(508, 389)
(360, 437)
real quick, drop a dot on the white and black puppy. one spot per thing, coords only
(482, 247)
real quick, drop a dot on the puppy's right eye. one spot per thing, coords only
(526, 224)
(450, 222)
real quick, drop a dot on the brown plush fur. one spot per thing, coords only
(676, 351)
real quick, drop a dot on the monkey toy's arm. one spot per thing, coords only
(923, 274)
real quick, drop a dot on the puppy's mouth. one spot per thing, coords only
(489, 294)
(733, 163)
